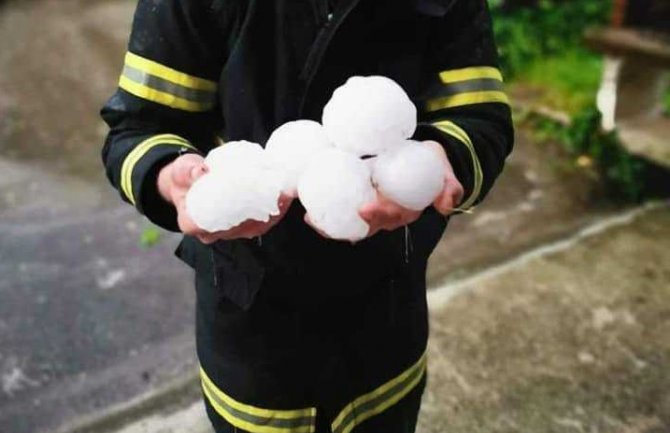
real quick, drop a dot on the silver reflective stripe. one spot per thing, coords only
(469, 86)
(157, 83)
(289, 424)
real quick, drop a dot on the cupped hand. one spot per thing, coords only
(174, 182)
(385, 214)
(452, 193)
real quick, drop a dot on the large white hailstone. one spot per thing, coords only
(332, 189)
(411, 175)
(292, 146)
(239, 186)
(368, 115)
(234, 153)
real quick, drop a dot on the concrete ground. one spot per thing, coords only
(92, 325)
(571, 337)
(576, 340)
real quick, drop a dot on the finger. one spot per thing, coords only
(284, 203)
(373, 230)
(187, 226)
(446, 202)
(184, 220)
(252, 229)
(208, 238)
(197, 171)
(187, 169)
(387, 215)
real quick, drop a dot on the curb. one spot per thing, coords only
(175, 394)
(441, 293)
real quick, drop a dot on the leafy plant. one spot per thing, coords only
(150, 237)
(622, 173)
(526, 34)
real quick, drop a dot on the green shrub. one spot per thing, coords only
(623, 174)
(526, 34)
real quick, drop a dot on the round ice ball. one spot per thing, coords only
(239, 186)
(411, 175)
(234, 153)
(368, 115)
(291, 147)
(332, 189)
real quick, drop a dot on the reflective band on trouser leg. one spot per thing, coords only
(379, 400)
(468, 86)
(255, 419)
(154, 82)
(458, 133)
(138, 152)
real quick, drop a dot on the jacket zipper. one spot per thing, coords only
(321, 43)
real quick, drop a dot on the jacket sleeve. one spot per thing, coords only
(166, 101)
(463, 105)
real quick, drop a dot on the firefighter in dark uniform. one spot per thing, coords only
(297, 333)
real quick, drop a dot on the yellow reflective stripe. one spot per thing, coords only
(253, 410)
(473, 73)
(169, 74)
(408, 379)
(153, 95)
(458, 133)
(247, 425)
(470, 98)
(138, 152)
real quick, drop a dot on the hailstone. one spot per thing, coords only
(332, 189)
(411, 175)
(234, 153)
(292, 146)
(239, 186)
(368, 115)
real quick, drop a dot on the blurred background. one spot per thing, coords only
(550, 303)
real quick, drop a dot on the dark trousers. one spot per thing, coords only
(399, 418)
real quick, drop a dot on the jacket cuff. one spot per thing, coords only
(139, 176)
(151, 203)
(460, 156)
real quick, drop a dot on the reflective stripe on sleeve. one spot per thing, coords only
(473, 73)
(468, 86)
(458, 133)
(380, 399)
(138, 152)
(254, 419)
(152, 81)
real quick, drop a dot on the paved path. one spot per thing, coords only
(573, 337)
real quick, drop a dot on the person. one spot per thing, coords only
(297, 333)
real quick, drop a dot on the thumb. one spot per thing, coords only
(187, 169)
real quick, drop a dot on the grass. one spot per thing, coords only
(568, 82)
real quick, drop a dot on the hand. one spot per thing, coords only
(384, 214)
(174, 181)
(452, 194)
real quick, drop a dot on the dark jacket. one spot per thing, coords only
(200, 70)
